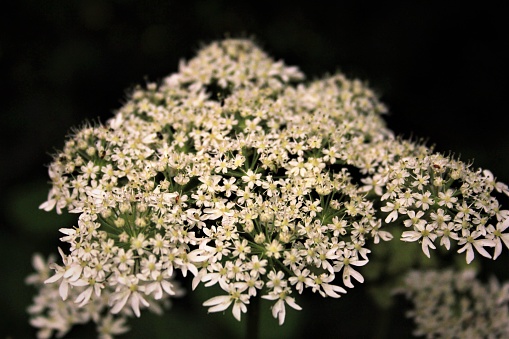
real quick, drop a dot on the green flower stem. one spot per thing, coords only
(253, 318)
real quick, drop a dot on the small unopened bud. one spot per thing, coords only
(265, 217)
(142, 207)
(90, 151)
(259, 238)
(249, 226)
(438, 181)
(106, 213)
(140, 222)
(123, 237)
(124, 207)
(284, 237)
(119, 222)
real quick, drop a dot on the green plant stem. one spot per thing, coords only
(253, 318)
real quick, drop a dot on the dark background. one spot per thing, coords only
(441, 69)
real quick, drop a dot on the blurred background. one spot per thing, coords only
(441, 69)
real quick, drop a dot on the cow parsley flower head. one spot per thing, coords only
(237, 173)
(450, 304)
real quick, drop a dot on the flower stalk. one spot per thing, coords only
(253, 318)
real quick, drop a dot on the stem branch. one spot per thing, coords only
(253, 317)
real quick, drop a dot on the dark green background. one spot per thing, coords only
(441, 69)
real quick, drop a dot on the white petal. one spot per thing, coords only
(356, 275)
(481, 250)
(135, 304)
(217, 300)
(409, 236)
(391, 217)
(63, 290)
(291, 302)
(236, 310)
(53, 278)
(120, 304)
(331, 290)
(220, 307)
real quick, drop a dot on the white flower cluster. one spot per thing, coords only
(439, 197)
(234, 170)
(51, 313)
(449, 304)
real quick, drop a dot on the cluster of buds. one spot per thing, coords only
(238, 173)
